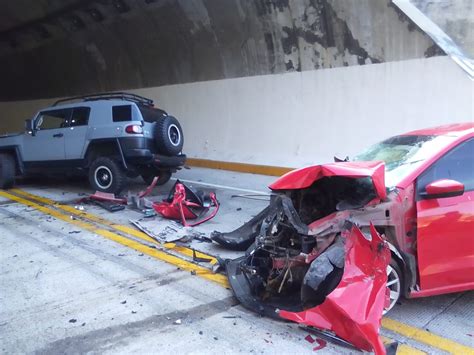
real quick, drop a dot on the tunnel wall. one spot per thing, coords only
(302, 118)
(163, 42)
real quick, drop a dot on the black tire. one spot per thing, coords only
(169, 137)
(107, 175)
(323, 275)
(148, 177)
(7, 171)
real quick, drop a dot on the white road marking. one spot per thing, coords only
(224, 187)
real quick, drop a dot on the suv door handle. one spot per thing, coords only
(58, 135)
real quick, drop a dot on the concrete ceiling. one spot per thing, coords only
(58, 48)
(18, 12)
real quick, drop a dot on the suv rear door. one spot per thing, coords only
(48, 142)
(75, 135)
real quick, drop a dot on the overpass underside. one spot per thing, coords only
(60, 48)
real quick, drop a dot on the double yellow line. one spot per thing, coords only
(173, 254)
(121, 234)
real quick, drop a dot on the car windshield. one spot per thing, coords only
(403, 154)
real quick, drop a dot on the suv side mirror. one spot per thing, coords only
(29, 127)
(443, 188)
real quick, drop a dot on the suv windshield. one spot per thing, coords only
(403, 154)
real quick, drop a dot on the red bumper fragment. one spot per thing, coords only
(353, 311)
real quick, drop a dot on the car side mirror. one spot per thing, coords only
(443, 188)
(29, 127)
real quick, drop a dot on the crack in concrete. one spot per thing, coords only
(443, 310)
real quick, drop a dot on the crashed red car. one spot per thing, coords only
(416, 189)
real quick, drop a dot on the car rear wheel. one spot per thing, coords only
(107, 175)
(7, 171)
(394, 284)
(164, 177)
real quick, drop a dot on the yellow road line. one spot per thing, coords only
(118, 227)
(390, 324)
(425, 337)
(161, 255)
(402, 348)
(240, 167)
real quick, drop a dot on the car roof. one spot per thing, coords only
(455, 129)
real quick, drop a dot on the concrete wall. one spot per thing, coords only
(302, 118)
(180, 41)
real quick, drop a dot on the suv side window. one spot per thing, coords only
(457, 164)
(122, 113)
(80, 116)
(53, 119)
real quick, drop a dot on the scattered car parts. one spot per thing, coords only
(185, 203)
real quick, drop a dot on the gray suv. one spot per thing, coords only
(108, 136)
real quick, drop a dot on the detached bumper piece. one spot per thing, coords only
(184, 203)
(353, 311)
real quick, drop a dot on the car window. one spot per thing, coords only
(151, 114)
(52, 119)
(457, 164)
(122, 113)
(80, 116)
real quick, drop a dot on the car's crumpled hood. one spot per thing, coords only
(305, 177)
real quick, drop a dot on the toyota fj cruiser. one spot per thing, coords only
(109, 136)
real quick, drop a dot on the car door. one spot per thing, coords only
(445, 236)
(75, 135)
(47, 143)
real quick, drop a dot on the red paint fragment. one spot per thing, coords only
(180, 208)
(309, 339)
(353, 311)
(321, 344)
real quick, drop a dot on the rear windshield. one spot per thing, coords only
(151, 114)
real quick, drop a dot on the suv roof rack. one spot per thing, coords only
(109, 96)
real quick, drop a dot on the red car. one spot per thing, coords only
(417, 189)
(431, 173)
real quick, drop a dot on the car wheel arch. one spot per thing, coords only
(103, 147)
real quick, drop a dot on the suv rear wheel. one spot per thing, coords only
(107, 175)
(7, 171)
(169, 136)
(164, 176)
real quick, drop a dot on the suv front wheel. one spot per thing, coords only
(7, 171)
(107, 175)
